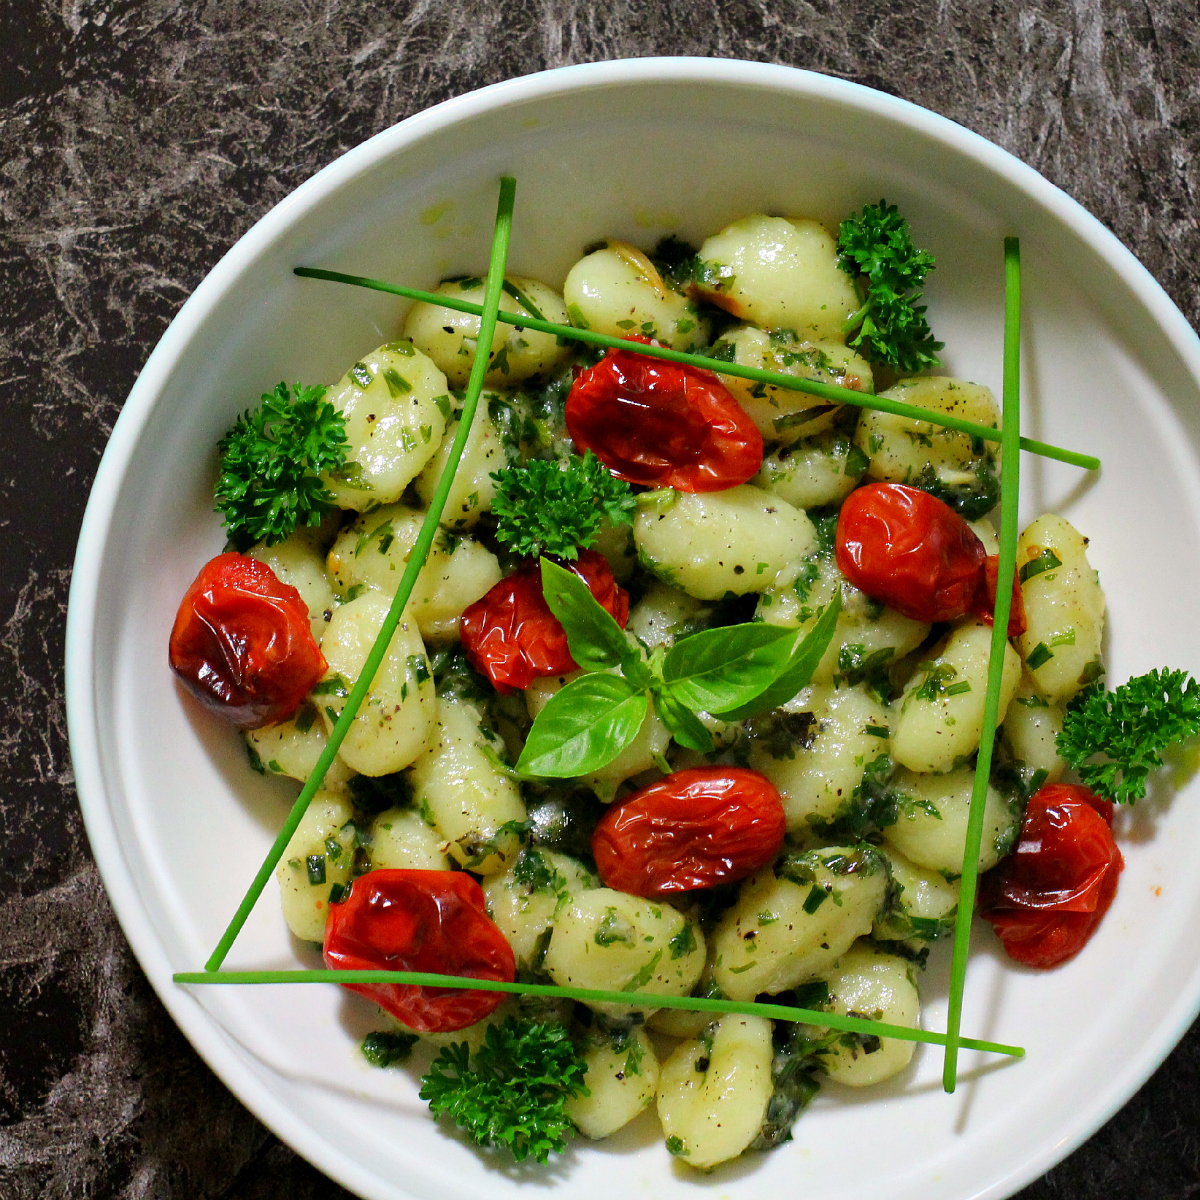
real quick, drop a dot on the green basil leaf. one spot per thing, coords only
(798, 670)
(682, 724)
(595, 639)
(722, 668)
(584, 727)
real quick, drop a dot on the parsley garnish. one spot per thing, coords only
(545, 508)
(891, 326)
(1130, 728)
(512, 1093)
(271, 461)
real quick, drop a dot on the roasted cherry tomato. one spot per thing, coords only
(693, 829)
(910, 550)
(985, 599)
(513, 638)
(915, 553)
(420, 921)
(242, 644)
(663, 425)
(1047, 899)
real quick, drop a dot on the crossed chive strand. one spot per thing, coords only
(795, 383)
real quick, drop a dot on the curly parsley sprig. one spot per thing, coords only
(547, 508)
(1129, 728)
(271, 461)
(512, 1093)
(890, 326)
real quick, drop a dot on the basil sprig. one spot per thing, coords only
(733, 673)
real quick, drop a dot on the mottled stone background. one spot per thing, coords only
(138, 140)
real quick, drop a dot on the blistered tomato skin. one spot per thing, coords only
(662, 424)
(512, 637)
(985, 600)
(400, 920)
(910, 550)
(693, 829)
(1048, 898)
(242, 643)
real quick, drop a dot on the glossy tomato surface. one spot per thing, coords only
(910, 550)
(662, 424)
(1048, 898)
(512, 637)
(693, 829)
(242, 643)
(985, 600)
(395, 920)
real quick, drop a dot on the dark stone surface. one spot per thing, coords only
(138, 140)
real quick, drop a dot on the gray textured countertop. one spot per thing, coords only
(138, 140)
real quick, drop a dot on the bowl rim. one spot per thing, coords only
(205, 1035)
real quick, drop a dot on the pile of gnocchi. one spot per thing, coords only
(872, 761)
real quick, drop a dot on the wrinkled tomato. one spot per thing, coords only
(662, 424)
(435, 921)
(1048, 898)
(985, 600)
(513, 638)
(693, 829)
(242, 643)
(915, 553)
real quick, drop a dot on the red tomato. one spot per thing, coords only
(985, 598)
(693, 829)
(513, 638)
(420, 921)
(662, 424)
(910, 550)
(1048, 898)
(242, 644)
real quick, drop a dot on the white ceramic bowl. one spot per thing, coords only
(636, 150)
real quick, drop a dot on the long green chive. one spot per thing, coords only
(420, 552)
(826, 391)
(1009, 484)
(779, 1012)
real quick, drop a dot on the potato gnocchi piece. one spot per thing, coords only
(1030, 729)
(1064, 606)
(292, 748)
(870, 637)
(783, 415)
(450, 338)
(953, 466)
(400, 839)
(869, 983)
(395, 402)
(610, 941)
(791, 924)
(778, 273)
(664, 614)
(714, 1089)
(617, 290)
(465, 795)
(941, 711)
(524, 899)
(923, 902)
(399, 713)
(371, 555)
(622, 1078)
(473, 489)
(813, 471)
(931, 829)
(319, 856)
(847, 732)
(708, 543)
(299, 562)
